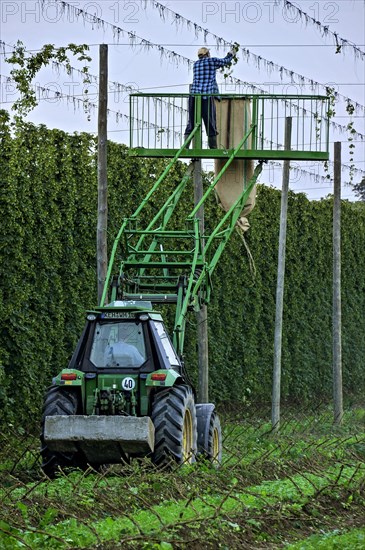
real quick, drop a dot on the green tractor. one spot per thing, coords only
(126, 392)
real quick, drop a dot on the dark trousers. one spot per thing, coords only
(209, 116)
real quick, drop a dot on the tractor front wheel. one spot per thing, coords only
(59, 401)
(174, 418)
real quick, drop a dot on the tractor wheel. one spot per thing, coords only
(59, 401)
(174, 418)
(209, 434)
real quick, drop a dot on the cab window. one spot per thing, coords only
(118, 345)
(166, 343)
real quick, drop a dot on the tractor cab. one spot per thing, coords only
(123, 337)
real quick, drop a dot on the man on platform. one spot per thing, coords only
(204, 82)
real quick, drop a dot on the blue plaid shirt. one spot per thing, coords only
(204, 79)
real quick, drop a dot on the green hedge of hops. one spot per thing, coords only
(48, 209)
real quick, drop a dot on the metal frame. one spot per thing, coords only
(164, 265)
(315, 121)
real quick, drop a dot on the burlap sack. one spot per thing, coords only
(233, 121)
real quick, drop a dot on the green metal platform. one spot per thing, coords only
(158, 123)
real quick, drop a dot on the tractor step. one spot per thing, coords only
(102, 439)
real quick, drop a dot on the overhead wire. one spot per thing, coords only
(145, 44)
(121, 86)
(325, 30)
(206, 44)
(77, 102)
(339, 42)
(259, 60)
(93, 19)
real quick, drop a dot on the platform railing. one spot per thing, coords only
(158, 123)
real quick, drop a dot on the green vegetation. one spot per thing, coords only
(304, 484)
(272, 489)
(355, 540)
(48, 198)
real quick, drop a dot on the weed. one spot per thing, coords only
(271, 489)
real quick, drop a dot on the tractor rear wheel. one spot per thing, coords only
(174, 418)
(59, 401)
(209, 433)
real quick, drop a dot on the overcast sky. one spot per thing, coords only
(283, 38)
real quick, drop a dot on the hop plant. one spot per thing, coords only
(227, 71)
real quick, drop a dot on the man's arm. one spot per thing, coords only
(222, 62)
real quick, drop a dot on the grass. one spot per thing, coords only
(354, 540)
(297, 489)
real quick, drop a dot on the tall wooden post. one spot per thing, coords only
(102, 223)
(202, 315)
(276, 389)
(337, 340)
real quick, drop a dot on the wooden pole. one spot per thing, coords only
(275, 411)
(202, 315)
(337, 329)
(102, 223)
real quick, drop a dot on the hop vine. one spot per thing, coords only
(27, 66)
(331, 112)
(228, 69)
(350, 109)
